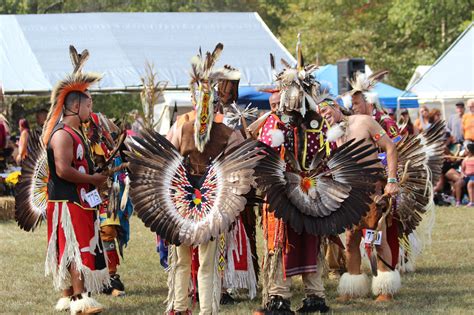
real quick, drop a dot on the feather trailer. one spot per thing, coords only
(31, 191)
(184, 211)
(420, 159)
(320, 202)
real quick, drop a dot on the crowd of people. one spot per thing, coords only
(315, 168)
(453, 185)
(452, 188)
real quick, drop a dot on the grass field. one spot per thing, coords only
(443, 282)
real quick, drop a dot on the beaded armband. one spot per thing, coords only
(379, 135)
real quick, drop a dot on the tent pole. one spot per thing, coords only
(398, 108)
(443, 108)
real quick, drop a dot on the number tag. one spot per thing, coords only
(93, 198)
(369, 236)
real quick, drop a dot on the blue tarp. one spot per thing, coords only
(327, 76)
(256, 97)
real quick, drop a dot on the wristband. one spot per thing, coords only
(392, 180)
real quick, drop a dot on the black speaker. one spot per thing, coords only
(346, 68)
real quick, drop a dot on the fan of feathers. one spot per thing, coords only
(334, 194)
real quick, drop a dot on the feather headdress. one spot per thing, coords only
(297, 84)
(75, 82)
(203, 81)
(31, 196)
(361, 83)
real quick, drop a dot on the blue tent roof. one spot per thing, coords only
(252, 95)
(327, 76)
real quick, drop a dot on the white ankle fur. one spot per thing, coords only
(63, 304)
(386, 283)
(81, 305)
(353, 285)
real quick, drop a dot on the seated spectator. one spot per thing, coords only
(450, 178)
(422, 123)
(467, 172)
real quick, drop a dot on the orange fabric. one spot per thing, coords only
(468, 126)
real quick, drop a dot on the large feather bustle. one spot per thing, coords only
(31, 191)
(420, 160)
(79, 82)
(160, 189)
(339, 194)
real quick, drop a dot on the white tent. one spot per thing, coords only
(34, 48)
(451, 77)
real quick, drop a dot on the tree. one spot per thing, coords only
(395, 35)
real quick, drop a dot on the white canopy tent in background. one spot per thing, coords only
(34, 48)
(451, 77)
(34, 51)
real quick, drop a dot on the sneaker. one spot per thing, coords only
(458, 204)
(313, 304)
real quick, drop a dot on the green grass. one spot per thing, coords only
(443, 282)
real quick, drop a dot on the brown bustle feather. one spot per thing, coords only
(160, 188)
(341, 194)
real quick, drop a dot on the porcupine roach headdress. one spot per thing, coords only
(75, 82)
(31, 192)
(203, 80)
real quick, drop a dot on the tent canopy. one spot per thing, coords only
(452, 75)
(388, 95)
(34, 48)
